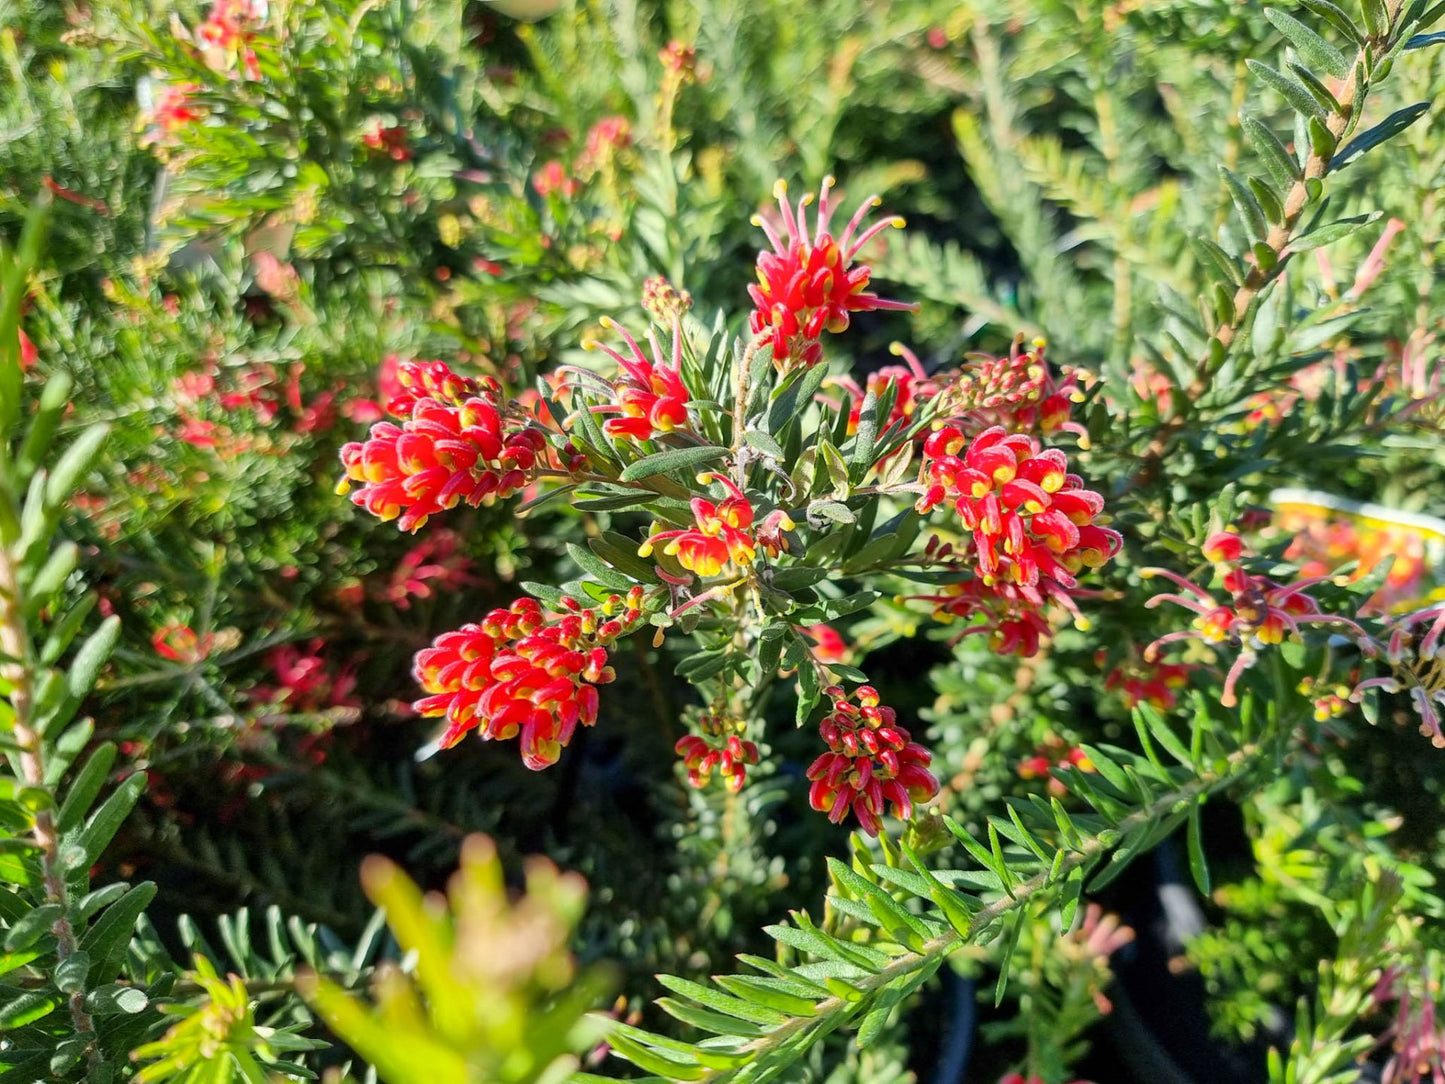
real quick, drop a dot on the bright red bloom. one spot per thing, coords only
(28, 354)
(722, 533)
(523, 673)
(1223, 546)
(390, 141)
(828, 644)
(179, 643)
(1154, 683)
(872, 763)
(454, 446)
(173, 108)
(552, 178)
(807, 283)
(649, 394)
(305, 681)
(719, 748)
(1033, 525)
(913, 387)
(1259, 612)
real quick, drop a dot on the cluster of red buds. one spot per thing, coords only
(1154, 683)
(553, 179)
(723, 533)
(872, 763)
(1054, 753)
(524, 673)
(453, 446)
(1033, 524)
(649, 392)
(388, 140)
(719, 748)
(1258, 611)
(605, 140)
(807, 283)
(1017, 392)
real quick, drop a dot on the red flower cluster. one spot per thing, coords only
(229, 30)
(1033, 526)
(388, 140)
(721, 748)
(872, 763)
(807, 284)
(1054, 753)
(650, 394)
(180, 643)
(454, 446)
(722, 533)
(522, 673)
(1014, 625)
(1153, 683)
(663, 301)
(1259, 610)
(434, 564)
(552, 179)
(305, 681)
(173, 109)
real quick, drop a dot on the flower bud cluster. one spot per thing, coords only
(649, 393)
(524, 673)
(1153, 683)
(454, 446)
(1018, 392)
(719, 748)
(1033, 525)
(872, 763)
(807, 283)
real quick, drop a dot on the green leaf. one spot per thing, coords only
(110, 937)
(1337, 17)
(1425, 41)
(85, 668)
(1269, 202)
(1377, 17)
(764, 443)
(1331, 232)
(653, 1062)
(1289, 89)
(1315, 49)
(26, 1009)
(32, 927)
(1248, 207)
(1198, 868)
(86, 786)
(1280, 163)
(718, 1001)
(74, 464)
(103, 825)
(1388, 128)
(673, 459)
(597, 569)
(1317, 90)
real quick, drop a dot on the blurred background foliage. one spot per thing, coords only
(482, 183)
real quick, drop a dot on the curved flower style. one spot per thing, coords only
(807, 283)
(453, 446)
(1033, 526)
(1014, 625)
(520, 673)
(650, 394)
(722, 533)
(872, 763)
(719, 748)
(913, 385)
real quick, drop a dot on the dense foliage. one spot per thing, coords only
(424, 418)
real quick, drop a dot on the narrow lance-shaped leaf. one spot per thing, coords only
(1315, 49)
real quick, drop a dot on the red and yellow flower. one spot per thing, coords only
(719, 748)
(649, 393)
(722, 533)
(807, 282)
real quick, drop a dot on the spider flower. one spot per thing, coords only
(454, 446)
(722, 533)
(649, 392)
(1033, 524)
(521, 673)
(872, 764)
(808, 283)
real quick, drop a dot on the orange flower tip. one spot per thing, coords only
(1229, 700)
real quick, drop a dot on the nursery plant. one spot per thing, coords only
(469, 432)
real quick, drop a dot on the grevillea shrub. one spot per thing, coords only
(474, 449)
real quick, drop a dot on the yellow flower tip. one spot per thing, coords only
(828, 181)
(785, 521)
(645, 550)
(343, 487)
(898, 222)
(896, 348)
(590, 344)
(1085, 444)
(1040, 342)
(780, 189)
(1083, 624)
(807, 200)
(756, 220)
(706, 478)
(1146, 573)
